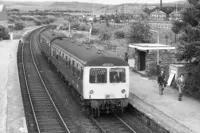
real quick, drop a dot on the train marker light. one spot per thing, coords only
(91, 91)
(123, 91)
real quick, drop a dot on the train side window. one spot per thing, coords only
(54, 52)
(81, 74)
(73, 67)
(77, 71)
(69, 63)
(66, 57)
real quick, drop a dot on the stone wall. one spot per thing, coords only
(166, 57)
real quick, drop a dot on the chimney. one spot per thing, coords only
(160, 4)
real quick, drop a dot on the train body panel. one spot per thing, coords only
(69, 76)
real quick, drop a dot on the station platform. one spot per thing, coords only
(173, 115)
(12, 110)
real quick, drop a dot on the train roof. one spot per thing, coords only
(90, 55)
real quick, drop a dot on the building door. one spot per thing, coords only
(142, 60)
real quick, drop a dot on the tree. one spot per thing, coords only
(19, 26)
(148, 11)
(117, 20)
(37, 22)
(166, 38)
(105, 35)
(4, 34)
(188, 48)
(178, 26)
(119, 34)
(139, 33)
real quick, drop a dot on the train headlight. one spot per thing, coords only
(123, 91)
(91, 91)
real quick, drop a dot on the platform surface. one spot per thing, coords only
(176, 116)
(12, 109)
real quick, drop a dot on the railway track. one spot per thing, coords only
(112, 124)
(46, 115)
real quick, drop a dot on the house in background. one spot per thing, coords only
(158, 15)
(175, 15)
(3, 16)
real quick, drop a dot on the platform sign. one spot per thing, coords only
(170, 79)
(131, 62)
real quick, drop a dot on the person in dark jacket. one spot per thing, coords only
(161, 82)
(181, 84)
(126, 57)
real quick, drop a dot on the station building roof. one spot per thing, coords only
(2, 7)
(151, 46)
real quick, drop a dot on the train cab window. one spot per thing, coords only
(117, 75)
(98, 75)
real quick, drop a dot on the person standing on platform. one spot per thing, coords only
(161, 82)
(181, 84)
(126, 57)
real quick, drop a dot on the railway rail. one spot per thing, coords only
(46, 115)
(112, 124)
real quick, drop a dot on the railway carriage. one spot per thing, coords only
(101, 80)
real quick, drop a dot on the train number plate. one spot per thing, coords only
(107, 96)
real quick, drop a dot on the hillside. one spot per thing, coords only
(74, 6)
(98, 8)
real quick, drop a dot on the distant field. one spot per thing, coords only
(52, 5)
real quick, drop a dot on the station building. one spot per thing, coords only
(3, 16)
(149, 58)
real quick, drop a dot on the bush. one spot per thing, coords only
(75, 25)
(77, 35)
(83, 27)
(4, 34)
(95, 31)
(105, 35)
(19, 26)
(119, 34)
(38, 22)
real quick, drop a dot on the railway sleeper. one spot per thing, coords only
(54, 132)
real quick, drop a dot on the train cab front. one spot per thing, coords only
(107, 87)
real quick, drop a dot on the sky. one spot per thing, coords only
(101, 1)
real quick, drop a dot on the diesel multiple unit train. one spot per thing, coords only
(100, 79)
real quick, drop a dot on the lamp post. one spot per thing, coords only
(158, 38)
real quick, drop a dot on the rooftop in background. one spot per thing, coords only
(2, 7)
(150, 46)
